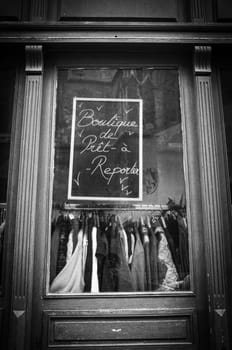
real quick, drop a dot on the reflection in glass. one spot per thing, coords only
(128, 244)
(6, 98)
(6, 102)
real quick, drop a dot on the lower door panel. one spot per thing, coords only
(68, 330)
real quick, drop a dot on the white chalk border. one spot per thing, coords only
(97, 198)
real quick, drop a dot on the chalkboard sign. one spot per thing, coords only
(106, 149)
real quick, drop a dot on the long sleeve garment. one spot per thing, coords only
(65, 228)
(58, 251)
(146, 246)
(101, 253)
(75, 227)
(69, 246)
(183, 247)
(124, 273)
(129, 229)
(116, 273)
(154, 260)
(54, 252)
(170, 277)
(138, 265)
(173, 229)
(124, 239)
(88, 265)
(94, 276)
(71, 277)
(111, 263)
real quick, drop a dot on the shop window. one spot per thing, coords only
(6, 102)
(119, 219)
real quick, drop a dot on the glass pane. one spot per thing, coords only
(226, 76)
(119, 212)
(6, 98)
(6, 103)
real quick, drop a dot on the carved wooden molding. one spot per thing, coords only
(38, 10)
(104, 32)
(212, 201)
(26, 195)
(203, 59)
(198, 11)
(34, 59)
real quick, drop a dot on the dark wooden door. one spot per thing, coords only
(152, 319)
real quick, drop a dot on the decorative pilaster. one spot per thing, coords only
(38, 10)
(26, 201)
(198, 11)
(212, 202)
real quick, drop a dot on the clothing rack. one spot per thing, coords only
(133, 207)
(161, 237)
(134, 213)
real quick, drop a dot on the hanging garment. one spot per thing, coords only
(173, 229)
(60, 228)
(116, 273)
(111, 263)
(94, 276)
(69, 246)
(88, 265)
(154, 259)
(132, 248)
(54, 252)
(172, 226)
(124, 239)
(101, 253)
(65, 228)
(171, 243)
(84, 248)
(129, 230)
(138, 265)
(71, 277)
(146, 244)
(76, 228)
(170, 276)
(124, 273)
(183, 247)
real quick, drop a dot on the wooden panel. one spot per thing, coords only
(85, 330)
(157, 9)
(214, 221)
(120, 329)
(9, 65)
(224, 10)
(26, 199)
(10, 10)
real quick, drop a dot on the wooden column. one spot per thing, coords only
(38, 10)
(198, 13)
(214, 226)
(26, 202)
